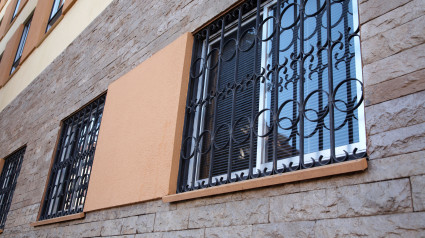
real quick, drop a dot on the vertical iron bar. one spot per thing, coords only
(330, 81)
(301, 77)
(347, 71)
(295, 82)
(212, 152)
(254, 81)
(319, 74)
(195, 157)
(276, 87)
(232, 118)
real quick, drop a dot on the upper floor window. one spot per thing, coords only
(15, 12)
(70, 173)
(21, 46)
(275, 86)
(8, 178)
(55, 13)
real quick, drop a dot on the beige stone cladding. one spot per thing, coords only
(387, 200)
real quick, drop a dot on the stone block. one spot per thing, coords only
(394, 88)
(398, 113)
(172, 220)
(196, 233)
(370, 9)
(145, 223)
(356, 200)
(285, 229)
(111, 227)
(418, 192)
(398, 141)
(229, 232)
(394, 225)
(129, 225)
(394, 41)
(398, 16)
(394, 66)
(237, 213)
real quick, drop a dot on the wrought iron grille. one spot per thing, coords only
(70, 173)
(275, 86)
(8, 178)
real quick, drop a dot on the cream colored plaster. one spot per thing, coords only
(20, 19)
(3, 11)
(74, 22)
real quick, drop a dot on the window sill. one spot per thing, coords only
(59, 219)
(318, 172)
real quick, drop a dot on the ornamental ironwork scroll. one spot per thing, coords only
(275, 86)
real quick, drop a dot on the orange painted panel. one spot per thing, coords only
(5, 24)
(1, 164)
(138, 150)
(38, 26)
(9, 55)
(67, 5)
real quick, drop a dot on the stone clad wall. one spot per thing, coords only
(387, 199)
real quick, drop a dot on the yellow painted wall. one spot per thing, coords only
(138, 150)
(74, 22)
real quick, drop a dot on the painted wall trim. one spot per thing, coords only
(299, 175)
(76, 216)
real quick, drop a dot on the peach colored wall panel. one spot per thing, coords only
(67, 5)
(7, 18)
(38, 26)
(9, 55)
(139, 140)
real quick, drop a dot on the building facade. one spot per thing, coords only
(124, 118)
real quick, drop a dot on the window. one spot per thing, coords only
(8, 178)
(262, 98)
(21, 46)
(70, 173)
(55, 13)
(15, 12)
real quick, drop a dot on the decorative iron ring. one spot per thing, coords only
(283, 13)
(184, 145)
(240, 39)
(271, 124)
(209, 60)
(319, 117)
(293, 123)
(218, 148)
(234, 127)
(199, 144)
(234, 50)
(261, 26)
(201, 68)
(336, 90)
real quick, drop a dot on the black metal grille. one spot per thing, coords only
(8, 178)
(70, 173)
(262, 98)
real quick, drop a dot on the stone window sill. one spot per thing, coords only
(299, 175)
(59, 219)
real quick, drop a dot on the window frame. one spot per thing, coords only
(21, 46)
(15, 11)
(49, 211)
(261, 164)
(54, 15)
(11, 184)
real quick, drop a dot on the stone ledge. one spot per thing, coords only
(323, 171)
(59, 219)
